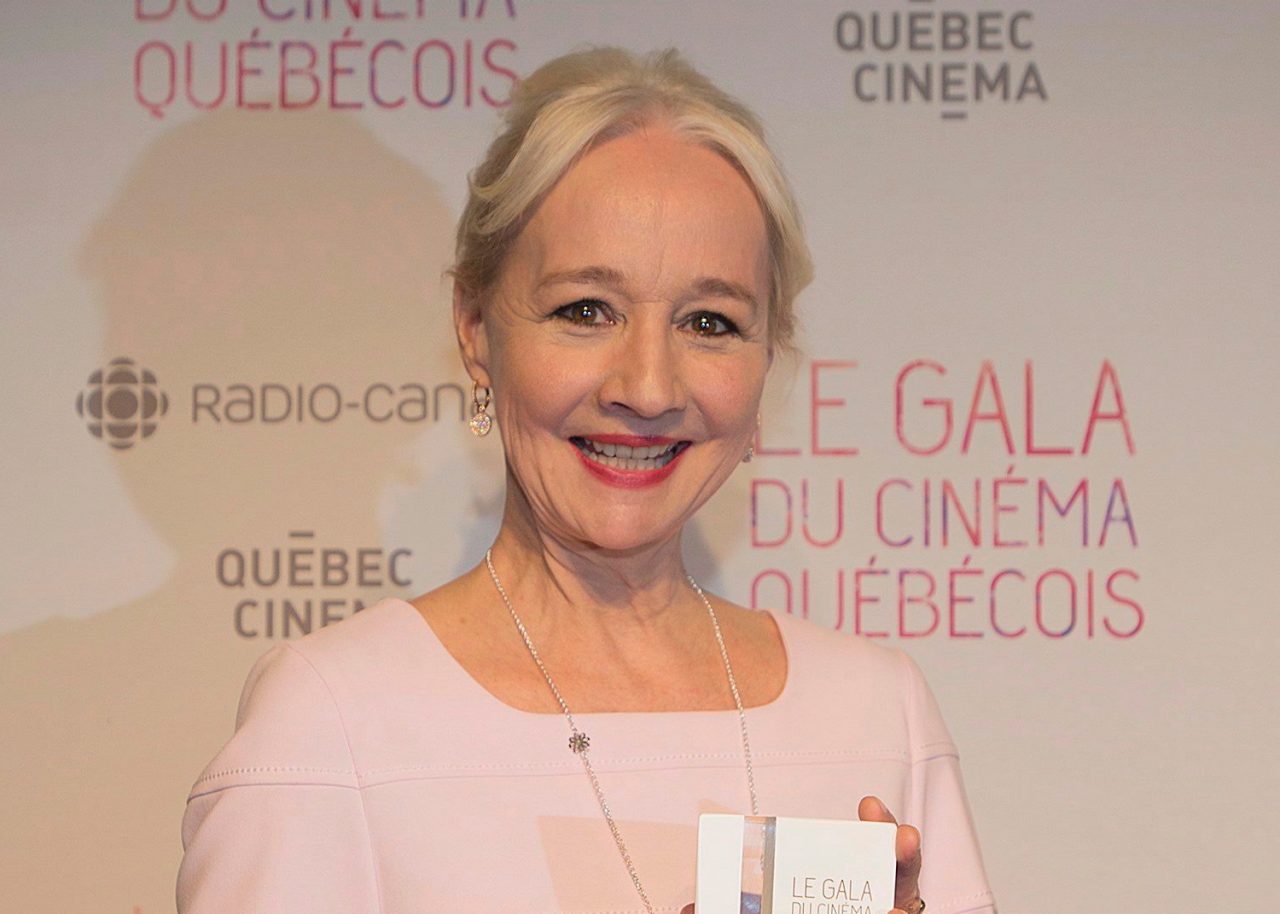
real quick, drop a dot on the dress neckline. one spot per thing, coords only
(460, 673)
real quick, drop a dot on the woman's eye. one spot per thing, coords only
(708, 323)
(586, 311)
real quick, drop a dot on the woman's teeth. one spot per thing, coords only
(625, 457)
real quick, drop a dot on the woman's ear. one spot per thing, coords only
(473, 341)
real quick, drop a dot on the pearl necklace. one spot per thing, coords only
(580, 743)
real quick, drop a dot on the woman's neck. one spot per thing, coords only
(553, 574)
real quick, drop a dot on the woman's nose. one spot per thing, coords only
(645, 377)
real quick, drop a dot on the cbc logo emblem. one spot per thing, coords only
(121, 403)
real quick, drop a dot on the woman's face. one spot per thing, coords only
(626, 340)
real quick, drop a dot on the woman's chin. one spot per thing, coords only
(628, 537)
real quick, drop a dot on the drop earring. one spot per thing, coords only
(751, 448)
(481, 422)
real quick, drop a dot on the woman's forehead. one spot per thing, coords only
(649, 204)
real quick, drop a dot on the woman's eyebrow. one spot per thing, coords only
(702, 287)
(585, 275)
(714, 287)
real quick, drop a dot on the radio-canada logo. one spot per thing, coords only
(122, 403)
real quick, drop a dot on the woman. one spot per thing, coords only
(542, 733)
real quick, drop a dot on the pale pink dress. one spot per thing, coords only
(370, 774)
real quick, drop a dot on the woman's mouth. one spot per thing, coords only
(629, 457)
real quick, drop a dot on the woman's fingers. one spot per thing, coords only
(907, 888)
(870, 809)
(906, 849)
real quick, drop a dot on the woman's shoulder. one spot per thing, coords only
(840, 654)
(381, 663)
(297, 695)
(365, 639)
(370, 648)
(874, 686)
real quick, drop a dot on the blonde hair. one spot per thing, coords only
(572, 102)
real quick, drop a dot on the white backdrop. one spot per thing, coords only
(1031, 436)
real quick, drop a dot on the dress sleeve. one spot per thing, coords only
(276, 823)
(952, 878)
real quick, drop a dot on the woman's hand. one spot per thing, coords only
(906, 894)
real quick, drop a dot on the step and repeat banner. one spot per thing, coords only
(1030, 436)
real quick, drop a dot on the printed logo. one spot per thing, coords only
(290, 590)
(122, 403)
(947, 60)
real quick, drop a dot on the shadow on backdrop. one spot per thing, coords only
(241, 249)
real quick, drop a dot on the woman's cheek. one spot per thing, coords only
(733, 395)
